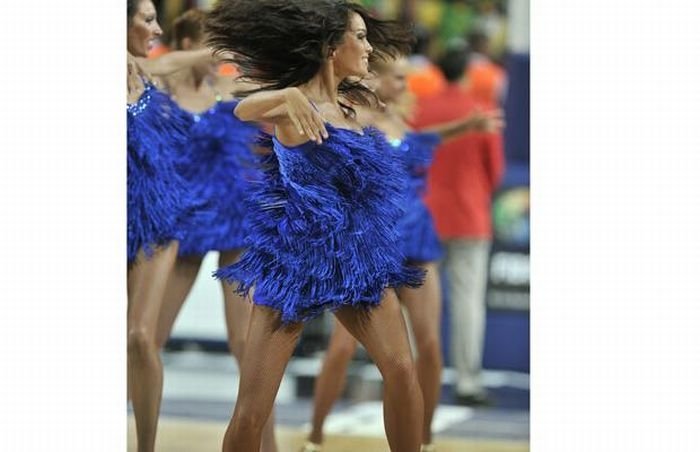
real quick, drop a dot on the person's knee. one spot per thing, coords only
(428, 347)
(139, 340)
(400, 369)
(251, 418)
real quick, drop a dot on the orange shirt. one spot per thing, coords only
(426, 80)
(485, 81)
(465, 172)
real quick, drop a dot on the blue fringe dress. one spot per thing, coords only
(218, 163)
(323, 227)
(419, 239)
(159, 202)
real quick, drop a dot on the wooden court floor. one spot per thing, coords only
(185, 435)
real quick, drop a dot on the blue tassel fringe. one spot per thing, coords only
(218, 164)
(159, 203)
(323, 227)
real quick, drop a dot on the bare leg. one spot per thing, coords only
(382, 331)
(423, 305)
(237, 311)
(180, 284)
(331, 381)
(269, 443)
(147, 282)
(268, 347)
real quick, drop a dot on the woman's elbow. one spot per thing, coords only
(242, 112)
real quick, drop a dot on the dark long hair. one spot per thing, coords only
(131, 8)
(281, 43)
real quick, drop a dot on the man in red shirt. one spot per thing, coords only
(486, 80)
(461, 181)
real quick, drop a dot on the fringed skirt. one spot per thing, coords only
(160, 205)
(218, 163)
(323, 227)
(419, 239)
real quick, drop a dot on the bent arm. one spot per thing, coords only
(453, 129)
(230, 87)
(475, 122)
(174, 61)
(289, 110)
(264, 106)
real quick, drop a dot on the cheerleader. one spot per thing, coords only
(159, 206)
(323, 233)
(217, 162)
(419, 243)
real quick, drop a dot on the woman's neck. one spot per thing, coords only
(389, 110)
(135, 79)
(323, 87)
(131, 57)
(132, 64)
(390, 121)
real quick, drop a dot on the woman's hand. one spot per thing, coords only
(490, 121)
(295, 118)
(487, 121)
(304, 115)
(175, 61)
